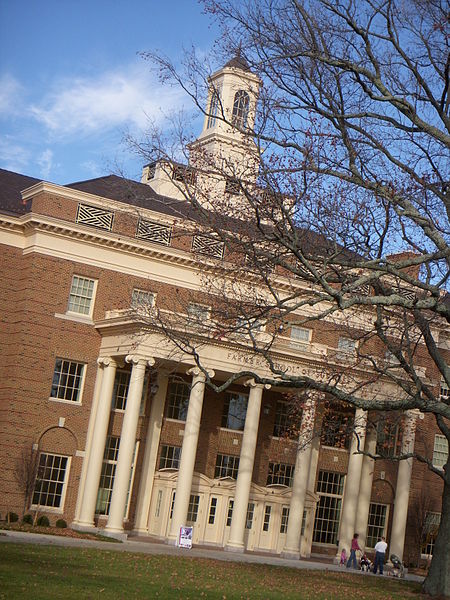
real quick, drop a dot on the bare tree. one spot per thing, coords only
(26, 472)
(345, 225)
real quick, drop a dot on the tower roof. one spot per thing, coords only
(238, 62)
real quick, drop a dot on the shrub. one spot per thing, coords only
(28, 519)
(12, 517)
(43, 521)
(61, 524)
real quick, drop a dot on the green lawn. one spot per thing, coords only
(43, 572)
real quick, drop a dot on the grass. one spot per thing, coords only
(45, 572)
(61, 532)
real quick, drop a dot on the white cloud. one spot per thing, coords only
(116, 99)
(45, 162)
(13, 156)
(10, 95)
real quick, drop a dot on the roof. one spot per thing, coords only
(11, 184)
(238, 62)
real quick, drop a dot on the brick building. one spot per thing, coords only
(103, 403)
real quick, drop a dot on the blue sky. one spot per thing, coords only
(71, 81)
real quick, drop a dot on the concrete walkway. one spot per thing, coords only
(144, 546)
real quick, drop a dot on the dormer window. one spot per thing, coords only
(184, 174)
(240, 109)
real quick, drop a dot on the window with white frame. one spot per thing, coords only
(337, 427)
(249, 326)
(284, 519)
(172, 504)
(81, 296)
(51, 480)
(213, 109)
(241, 106)
(267, 514)
(234, 411)
(300, 337)
(226, 466)
(212, 511)
(440, 451)
(107, 475)
(388, 438)
(177, 400)
(330, 487)
(250, 515)
(192, 514)
(280, 474)
(198, 313)
(346, 347)
(376, 524)
(431, 528)
(230, 511)
(67, 382)
(120, 391)
(170, 457)
(444, 391)
(142, 301)
(282, 418)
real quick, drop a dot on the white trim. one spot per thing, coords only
(83, 379)
(75, 317)
(72, 313)
(54, 509)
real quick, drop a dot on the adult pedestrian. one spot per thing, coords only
(353, 549)
(380, 553)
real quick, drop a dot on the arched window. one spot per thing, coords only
(240, 109)
(213, 107)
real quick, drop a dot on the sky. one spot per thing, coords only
(72, 83)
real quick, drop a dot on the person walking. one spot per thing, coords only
(380, 553)
(353, 549)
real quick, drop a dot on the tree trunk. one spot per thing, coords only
(437, 582)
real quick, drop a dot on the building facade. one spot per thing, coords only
(126, 435)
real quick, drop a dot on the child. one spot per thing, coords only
(365, 563)
(343, 557)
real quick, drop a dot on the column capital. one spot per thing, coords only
(252, 384)
(106, 361)
(197, 372)
(135, 359)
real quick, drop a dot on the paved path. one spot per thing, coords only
(150, 547)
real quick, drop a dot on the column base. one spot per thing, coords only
(292, 554)
(238, 548)
(87, 527)
(116, 534)
(140, 531)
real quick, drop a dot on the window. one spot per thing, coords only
(170, 457)
(198, 313)
(183, 173)
(444, 391)
(67, 380)
(81, 295)
(178, 400)
(154, 232)
(192, 514)
(240, 109)
(120, 391)
(431, 528)
(282, 419)
(226, 466)
(212, 511)
(230, 511)
(232, 186)
(50, 484)
(266, 521)
(151, 171)
(388, 438)
(213, 109)
(440, 452)
(376, 525)
(142, 301)
(284, 519)
(249, 325)
(337, 428)
(208, 245)
(250, 515)
(346, 347)
(300, 337)
(280, 474)
(107, 475)
(330, 487)
(172, 504)
(158, 503)
(234, 411)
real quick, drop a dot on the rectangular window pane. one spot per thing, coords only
(81, 294)
(177, 400)
(107, 475)
(142, 301)
(226, 466)
(330, 488)
(376, 525)
(234, 411)
(250, 514)
(230, 512)
(280, 474)
(283, 419)
(266, 522)
(212, 511)
(193, 509)
(50, 481)
(284, 519)
(67, 380)
(440, 452)
(170, 457)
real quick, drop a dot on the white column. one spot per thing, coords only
(246, 460)
(365, 487)
(127, 445)
(300, 483)
(88, 442)
(150, 456)
(397, 541)
(188, 453)
(94, 468)
(353, 479)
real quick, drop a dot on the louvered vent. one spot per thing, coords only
(154, 232)
(207, 245)
(95, 217)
